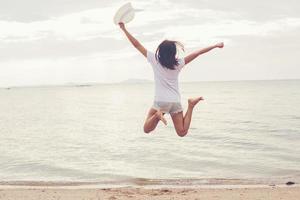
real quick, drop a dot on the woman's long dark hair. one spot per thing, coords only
(166, 53)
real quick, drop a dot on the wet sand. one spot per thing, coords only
(163, 193)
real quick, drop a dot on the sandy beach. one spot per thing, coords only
(126, 193)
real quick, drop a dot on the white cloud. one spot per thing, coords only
(98, 22)
(221, 30)
(70, 26)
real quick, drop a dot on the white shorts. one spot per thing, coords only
(167, 107)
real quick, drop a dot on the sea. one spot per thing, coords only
(243, 130)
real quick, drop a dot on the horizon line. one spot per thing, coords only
(132, 81)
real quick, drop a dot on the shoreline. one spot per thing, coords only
(157, 183)
(246, 192)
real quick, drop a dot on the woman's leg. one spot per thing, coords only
(154, 116)
(182, 123)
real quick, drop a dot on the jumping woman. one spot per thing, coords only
(166, 67)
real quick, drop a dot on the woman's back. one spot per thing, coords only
(166, 80)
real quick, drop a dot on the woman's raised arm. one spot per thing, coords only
(195, 54)
(134, 41)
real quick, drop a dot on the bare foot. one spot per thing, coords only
(194, 101)
(160, 115)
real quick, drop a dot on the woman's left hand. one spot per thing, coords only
(220, 45)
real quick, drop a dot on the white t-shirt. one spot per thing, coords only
(166, 80)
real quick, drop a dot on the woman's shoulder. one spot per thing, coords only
(181, 63)
(151, 57)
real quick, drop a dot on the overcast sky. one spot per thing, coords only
(75, 41)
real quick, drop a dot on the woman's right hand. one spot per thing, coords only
(122, 25)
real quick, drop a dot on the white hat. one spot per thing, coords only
(125, 14)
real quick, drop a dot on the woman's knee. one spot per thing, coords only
(147, 130)
(181, 132)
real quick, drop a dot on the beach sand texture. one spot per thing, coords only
(129, 193)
